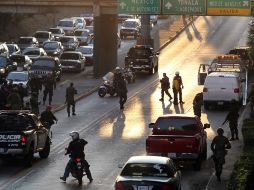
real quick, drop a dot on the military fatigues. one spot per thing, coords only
(49, 85)
(70, 92)
(165, 85)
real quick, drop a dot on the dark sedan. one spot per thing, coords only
(149, 172)
(53, 48)
(72, 61)
(70, 43)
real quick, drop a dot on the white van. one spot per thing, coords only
(69, 25)
(221, 88)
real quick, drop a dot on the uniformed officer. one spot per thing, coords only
(70, 92)
(177, 88)
(49, 86)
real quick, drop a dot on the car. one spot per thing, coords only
(82, 35)
(88, 18)
(21, 135)
(4, 50)
(57, 32)
(147, 173)
(44, 66)
(87, 52)
(123, 17)
(13, 49)
(53, 48)
(23, 62)
(91, 29)
(34, 52)
(130, 27)
(142, 58)
(81, 22)
(182, 137)
(43, 36)
(69, 25)
(70, 43)
(17, 77)
(72, 61)
(25, 42)
(220, 88)
(6, 66)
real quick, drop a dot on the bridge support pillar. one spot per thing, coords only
(105, 41)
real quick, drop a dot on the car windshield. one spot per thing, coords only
(139, 52)
(81, 33)
(43, 63)
(32, 52)
(50, 45)
(146, 170)
(87, 50)
(176, 124)
(73, 56)
(3, 61)
(65, 23)
(55, 30)
(79, 20)
(13, 122)
(129, 24)
(65, 40)
(25, 41)
(17, 76)
(41, 35)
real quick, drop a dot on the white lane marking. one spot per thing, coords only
(207, 186)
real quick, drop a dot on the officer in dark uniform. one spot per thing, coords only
(165, 85)
(48, 117)
(49, 86)
(70, 92)
(197, 104)
(232, 118)
(219, 145)
(34, 103)
(35, 84)
(122, 92)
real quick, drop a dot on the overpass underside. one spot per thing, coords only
(57, 6)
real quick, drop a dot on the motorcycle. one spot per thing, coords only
(77, 171)
(129, 75)
(107, 87)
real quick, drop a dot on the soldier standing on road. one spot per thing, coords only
(122, 92)
(14, 100)
(35, 84)
(177, 88)
(70, 92)
(165, 85)
(34, 103)
(50, 85)
(232, 118)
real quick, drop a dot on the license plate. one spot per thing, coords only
(220, 103)
(1, 150)
(143, 188)
(172, 155)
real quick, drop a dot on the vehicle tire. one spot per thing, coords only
(28, 159)
(156, 68)
(204, 153)
(151, 71)
(102, 92)
(206, 106)
(197, 164)
(45, 152)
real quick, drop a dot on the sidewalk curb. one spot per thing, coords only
(81, 96)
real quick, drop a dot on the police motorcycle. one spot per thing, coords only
(107, 87)
(129, 75)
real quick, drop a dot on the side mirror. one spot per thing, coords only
(151, 125)
(206, 126)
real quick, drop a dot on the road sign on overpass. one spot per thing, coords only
(180, 7)
(139, 6)
(229, 7)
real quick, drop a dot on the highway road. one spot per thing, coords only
(115, 135)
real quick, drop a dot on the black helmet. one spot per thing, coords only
(220, 131)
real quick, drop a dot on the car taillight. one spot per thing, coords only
(23, 139)
(236, 90)
(78, 159)
(119, 186)
(166, 187)
(205, 89)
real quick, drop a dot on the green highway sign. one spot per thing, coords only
(229, 7)
(139, 6)
(181, 7)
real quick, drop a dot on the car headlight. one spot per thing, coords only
(2, 70)
(55, 52)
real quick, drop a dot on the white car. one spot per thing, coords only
(19, 77)
(34, 52)
(69, 25)
(81, 22)
(221, 88)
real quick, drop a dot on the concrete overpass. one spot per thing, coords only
(57, 6)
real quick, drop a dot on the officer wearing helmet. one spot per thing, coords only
(219, 145)
(177, 88)
(76, 150)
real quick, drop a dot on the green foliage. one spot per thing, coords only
(245, 165)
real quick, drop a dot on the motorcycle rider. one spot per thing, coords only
(219, 145)
(117, 77)
(76, 149)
